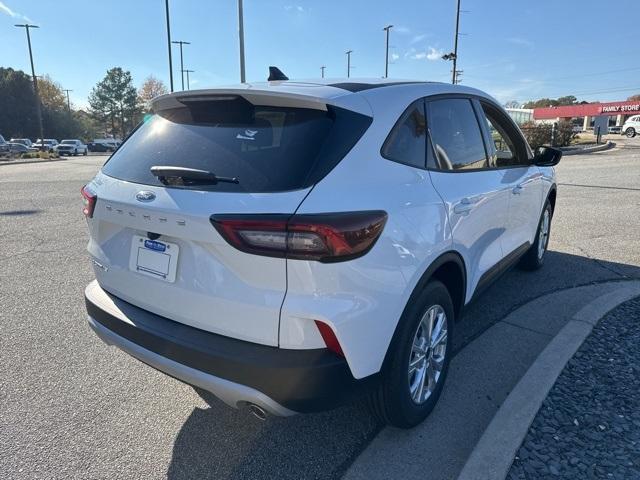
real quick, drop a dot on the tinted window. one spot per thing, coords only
(408, 138)
(505, 149)
(267, 148)
(456, 136)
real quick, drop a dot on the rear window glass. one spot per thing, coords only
(266, 148)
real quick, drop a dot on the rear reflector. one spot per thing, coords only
(330, 339)
(88, 201)
(324, 237)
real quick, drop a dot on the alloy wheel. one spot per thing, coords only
(428, 353)
(543, 236)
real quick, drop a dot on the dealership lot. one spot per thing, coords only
(74, 408)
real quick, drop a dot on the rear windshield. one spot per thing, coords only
(267, 149)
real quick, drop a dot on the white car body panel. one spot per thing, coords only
(276, 302)
(217, 288)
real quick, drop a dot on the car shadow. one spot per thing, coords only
(221, 442)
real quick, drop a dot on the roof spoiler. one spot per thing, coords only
(275, 74)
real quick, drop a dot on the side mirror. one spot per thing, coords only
(547, 156)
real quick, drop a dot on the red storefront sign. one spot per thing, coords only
(589, 109)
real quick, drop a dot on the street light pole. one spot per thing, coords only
(166, 7)
(26, 26)
(241, 35)
(455, 46)
(68, 101)
(188, 72)
(322, 70)
(349, 52)
(386, 55)
(180, 42)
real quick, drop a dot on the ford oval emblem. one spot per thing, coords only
(145, 196)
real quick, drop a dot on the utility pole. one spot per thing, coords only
(68, 101)
(166, 7)
(241, 35)
(180, 42)
(349, 52)
(188, 72)
(386, 55)
(322, 70)
(26, 26)
(455, 47)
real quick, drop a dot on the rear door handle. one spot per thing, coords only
(517, 190)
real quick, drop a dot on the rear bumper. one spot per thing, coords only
(283, 382)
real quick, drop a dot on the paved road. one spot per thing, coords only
(72, 408)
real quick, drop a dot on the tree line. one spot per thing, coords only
(115, 106)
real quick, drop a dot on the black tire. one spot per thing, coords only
(532, 260)
(391, 401)
(630, 132)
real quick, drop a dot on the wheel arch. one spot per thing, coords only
(449, 268)
(551, 197)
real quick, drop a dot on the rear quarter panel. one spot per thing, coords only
(363, 299)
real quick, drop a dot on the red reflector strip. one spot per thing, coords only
(329, 337)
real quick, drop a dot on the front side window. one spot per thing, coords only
(456, 136)
(503, 148)
(408, 139)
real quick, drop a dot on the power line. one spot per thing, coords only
(68, 101)
(27, 26)
(386, 55)
(181, 43)
(166, 7)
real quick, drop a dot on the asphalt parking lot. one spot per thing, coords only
(71, 407)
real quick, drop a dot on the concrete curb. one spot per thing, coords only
(597, 148)
(493, 455)
(26, 162)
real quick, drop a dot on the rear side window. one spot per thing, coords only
(456, 136)
(407, 141)
(268, 149)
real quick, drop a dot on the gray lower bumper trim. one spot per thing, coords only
(231, 393)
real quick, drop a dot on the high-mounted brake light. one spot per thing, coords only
(88, 201)
(324, 237)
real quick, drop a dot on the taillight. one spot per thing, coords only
(88, 201)
(325, 237)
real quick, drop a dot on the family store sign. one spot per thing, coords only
(588, 110)
(620, 108)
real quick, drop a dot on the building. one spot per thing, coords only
(584, 113)
(520, 115)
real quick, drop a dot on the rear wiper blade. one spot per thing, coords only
(188, 176)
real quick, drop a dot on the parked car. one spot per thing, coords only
(49, 145)
(632, 126)
(99, 147)
(25, 141)
(4, 147)
(109, 144)
(72, 147)
(17, 148)
(291, 246)
(615, 130)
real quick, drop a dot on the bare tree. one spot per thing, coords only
(151, 88)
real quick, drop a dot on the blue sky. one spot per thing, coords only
(514, 50)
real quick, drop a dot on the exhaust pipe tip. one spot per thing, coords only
(258, 411)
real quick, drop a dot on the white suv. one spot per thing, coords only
(289, 246)
(632, 126)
